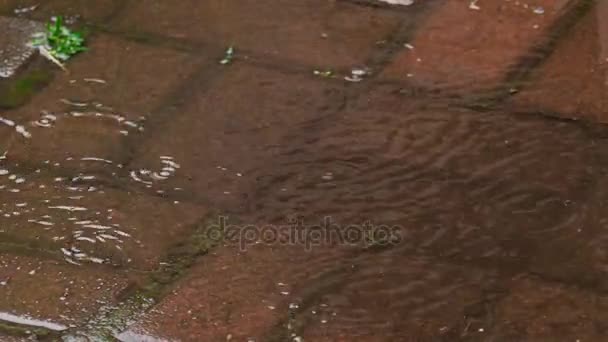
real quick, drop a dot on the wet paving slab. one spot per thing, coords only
(230, 135)
(481, 198)
(424, 218)
(52, 295)
(463, 47)
(248, 296)
(107, 78)
(572, 82)
(313, 32)
(557, 309)
(91, 112)
(87, 222)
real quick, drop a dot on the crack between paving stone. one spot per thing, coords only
(521, 71)
(175, 265)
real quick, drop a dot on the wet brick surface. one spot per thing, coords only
(110, 174)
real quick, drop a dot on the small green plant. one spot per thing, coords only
(323, 73)
(58, 43)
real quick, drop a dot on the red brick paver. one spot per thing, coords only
(109, 170)
(220, 137)
(313, 32)
(534, 308)
(573, 82)
(55, 291)
(245, 295)
(463, 50)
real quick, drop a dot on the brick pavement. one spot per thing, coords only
(110, 197)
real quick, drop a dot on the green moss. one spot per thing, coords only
(17, 92)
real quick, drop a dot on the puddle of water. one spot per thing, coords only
(65, 209)
(471, 188)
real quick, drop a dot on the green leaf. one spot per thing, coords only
(59, 40)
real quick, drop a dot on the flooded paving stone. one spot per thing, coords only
(496, 220)
(472, 187)
(390, 296)
(535, 309)
(105, 97)
(81, 143)
(106, 76)
(14, 49)
(572, 83)
(313, 32)
(89, 223)
(461, 50)
(218, 136)
(54, 295)
(242, 294)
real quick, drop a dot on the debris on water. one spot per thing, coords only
(18, 128)
(96, 159)
(95, 80)
(68, 208)
(46, 53)
(228, 56)
(356, 75)
(27, 9)
(539, 10)
(21, 130)
(399, 2)
(473, 5)
(323, 73)
(73, 103)
(409, 46)
(46, 120)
